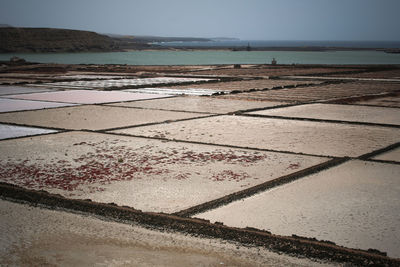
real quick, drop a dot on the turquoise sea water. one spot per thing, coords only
(285, 43)
(211, 57)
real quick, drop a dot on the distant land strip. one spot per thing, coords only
(50, 40)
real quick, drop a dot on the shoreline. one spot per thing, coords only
(221, 48)
(267, 48)
(43, 40)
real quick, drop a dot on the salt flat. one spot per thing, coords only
(11, 131)
(351, 113)
(305, 170)
(199, 104)
(172, 91)
(150, 175)
(9, 90)
(7, 105)
(119, 83)
(86, 97)
(92, 117)
(319, 138)
(392, 155)
(391, 101)
(354, 205)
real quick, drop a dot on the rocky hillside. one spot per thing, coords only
(53, 40)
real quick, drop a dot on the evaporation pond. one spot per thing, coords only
(186, 91)
(92, 117)
(9, 90)
(199, 104)
(356, 204)
(317, 138)
(119, 83)
(390, 101)
(150, 175)
(7, 105)
(392, 155)
(86, 96)
(11, 131)
(352, 113)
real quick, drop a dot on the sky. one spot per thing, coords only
(353, 20)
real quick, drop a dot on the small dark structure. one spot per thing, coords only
(17, 60)
(248, 48)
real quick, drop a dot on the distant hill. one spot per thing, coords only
(147, 42)
(53, 40)
(224, 39)
(155, 39)
(43, 40)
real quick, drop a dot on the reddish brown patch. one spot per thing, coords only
(230, 176)
(293, 166)
(107, 163)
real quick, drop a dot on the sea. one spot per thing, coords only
(290, 43)
(211, 57)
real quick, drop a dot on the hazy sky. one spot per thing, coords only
(245, 19)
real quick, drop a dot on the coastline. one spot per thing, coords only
(267, 48)
(49, 40)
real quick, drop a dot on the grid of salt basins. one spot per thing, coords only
(166, 154)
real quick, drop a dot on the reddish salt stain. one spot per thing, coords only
(182, 176)
(108, 163)
(230, 176)
(293, 166)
